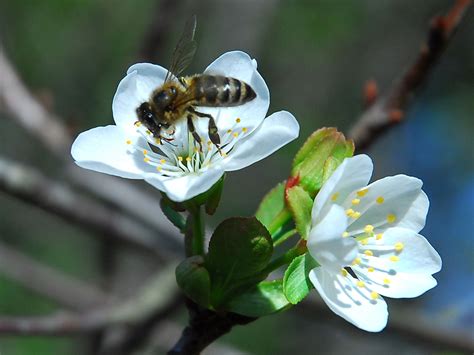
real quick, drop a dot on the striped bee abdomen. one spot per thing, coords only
(221, 91)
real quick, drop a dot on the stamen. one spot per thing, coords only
(146, 160)
(368, 228)
(362, 193)
(379, 236)
(334, 196)
(394, 258)
(355, 201)
(356, 261)
(391, 218)
(360, 283)
(364, 241)
(162, 161)
(399, 246)
(345, 234)
(380, 200)
(344, 272)
(128, 141)
(235, 134)
(356, 215)
(145, 152)
(386, 281)
(237, 120)
(350, 212)
(371, 269)
(369, 253)
(374, 295)
(244, 129)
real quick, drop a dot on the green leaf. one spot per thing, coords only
(239, 250)
(193, 278)
(173, 216)
(309, 162)
(300, 204)
(265, 298)
(271, 205)
(296, 283)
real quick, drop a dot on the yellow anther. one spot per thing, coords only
(355, 215)
(188, 159)
(379, 200)
(237, 120)
(137, 124)
(128, 141)
(368, 253)
(374, 295)
(196, 149)
(344, 272)
(146, 160)
(386, 281)
(356, 261)
(364, 241)
(235, 134)
(379, 236)
(158, 141)
(180, 158)
(399, 246)
(159, 168)
(360, 283)
(224, 154)
(394, 258)
(145, 152)
(371, 269)
(209, 142)
(368, 228)
(229, 131)
(349, 212)
(162, 161)
(148, 132)
(345, 234)
(391, 218)
(334, 196)
(245, 129)
(362, 193)
(355, 201)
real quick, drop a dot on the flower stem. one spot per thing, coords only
(281, 218)
(197, 245)
(297, 250)
(285, 237)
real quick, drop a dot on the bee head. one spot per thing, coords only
(163, 98)
(149, 119)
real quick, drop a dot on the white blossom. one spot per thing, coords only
(179, 168)
(365, 239)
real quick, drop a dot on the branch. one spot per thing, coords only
(158, 296)
(31, 186)
(45, 280)
(390, 109)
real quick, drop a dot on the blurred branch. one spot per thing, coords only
(157, 298)
(45, 280)
(389, 110)
(25, 109)
(31, 186)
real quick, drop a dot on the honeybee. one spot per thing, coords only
(179, 97)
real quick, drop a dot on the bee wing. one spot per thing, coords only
(184, 51)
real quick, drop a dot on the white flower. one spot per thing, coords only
(366, 240)
(178, 168)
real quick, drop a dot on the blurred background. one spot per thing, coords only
(316, 57)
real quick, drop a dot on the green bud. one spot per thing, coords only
(311, 166)
(300, 205)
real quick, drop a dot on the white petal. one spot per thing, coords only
(353, 174)
(185, 187)
(353, 303)
(276, 131)
(104, 149)
(326, 244)
(404, 204)
(240, 66)
(134, 89)
(409, 275)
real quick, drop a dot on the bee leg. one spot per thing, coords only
(192, 129)
(212, 128)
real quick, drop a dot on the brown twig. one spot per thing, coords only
(31, 186)
(390, 109)
(157, 297)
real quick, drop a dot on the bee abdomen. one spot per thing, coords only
(222, 91)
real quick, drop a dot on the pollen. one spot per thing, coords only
(159, 168)
(137, 124)
(334, 196)
(369, 253)
(162, 161)
(364, 241)
(128, 141)
(345, 234)
(379, 236)
(350, 212)
(245, 129)
(344, 272)
(229, 131)
(356, 261)
(391, 218)
(146, 159)
(399, 246)
(386, 281)
(371, 269)
(360, 283)
(355, 215)
(237, 120)
(180, 158)
(379, 200)
(368, 228)
(362, 193)
(394, 258)
(374, 295)
(188, 159)
(355, 201)
(148, 132)
(235, 134)
(145, 152)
